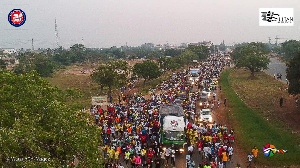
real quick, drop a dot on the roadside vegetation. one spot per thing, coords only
(36, 123)
(249, 108)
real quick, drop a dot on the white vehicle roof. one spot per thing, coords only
(205, 110)
(173, 123)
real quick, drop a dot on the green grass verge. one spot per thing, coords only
(82, 83)
(252, 129)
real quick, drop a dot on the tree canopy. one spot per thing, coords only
(34, 123)
(2, 64)
(251, 56)
(293, 74)
(113, 74)
(38, 62)
(147, 70)
(290, 49)
(201, 51)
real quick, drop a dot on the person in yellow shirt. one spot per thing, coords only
(210, 139)
(224, 158)
(207, 138)
(111, 154)
(117, 155)
(196, 134)
(127, 156)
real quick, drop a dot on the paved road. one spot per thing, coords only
(276, 66)
(180, 159)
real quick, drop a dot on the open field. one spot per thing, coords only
(263, 95)
(73, 78)
(64, 79)
(253, 127)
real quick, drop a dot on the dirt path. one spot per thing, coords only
(222, 117)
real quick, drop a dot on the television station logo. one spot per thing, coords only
(16, 17)
(276, 16)
(269, 150)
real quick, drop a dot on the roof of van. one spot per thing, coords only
(171, 109)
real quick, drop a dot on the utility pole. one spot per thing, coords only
(276, 38)
(56, 34)
(32, 48)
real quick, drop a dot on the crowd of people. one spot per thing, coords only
(131, 128)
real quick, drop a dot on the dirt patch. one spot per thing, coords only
(222, 114)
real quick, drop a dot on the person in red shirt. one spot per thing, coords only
(215, 138)
(199, 144)
(225, 138)
(220, 152)
(108, 132)
(231, 139)
(150, 155)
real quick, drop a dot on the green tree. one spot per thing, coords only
(201, 51)
(39, 62)
(186, 57)
(118, 53)
(63, 58)
(2, 64)
(77, 53)
(113, 74)
(147, 70)
(293, 75)
(290, 49)
(172, 52)
(253, 57)
(34, 122)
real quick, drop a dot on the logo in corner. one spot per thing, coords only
(16, 17)
(269, 150)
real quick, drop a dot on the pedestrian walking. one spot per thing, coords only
(255, 153)
(173, 158)
(224, 159)
(191, 150)
(230, 152)
(225, 102)
(167, 154)
(281, 101)
(250, 157)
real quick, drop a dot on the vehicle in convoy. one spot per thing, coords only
(204, 102)
(205, 115)
(207, 92)
(194, 75)
(182, 95)
(172, 127)
(177, 102)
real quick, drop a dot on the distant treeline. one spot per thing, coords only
(46, 62)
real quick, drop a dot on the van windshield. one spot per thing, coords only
(174, 135)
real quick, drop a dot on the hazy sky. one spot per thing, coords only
(106, 23)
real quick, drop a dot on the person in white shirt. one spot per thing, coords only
(230, 152)
(173, 157)
(205, 150)
(220, 164)
(250, 157)
(190, 150)
(167, 154)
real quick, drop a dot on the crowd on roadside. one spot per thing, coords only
(131, 129)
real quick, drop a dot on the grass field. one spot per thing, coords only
(252, 126)
(83, 83)
(68, 79)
